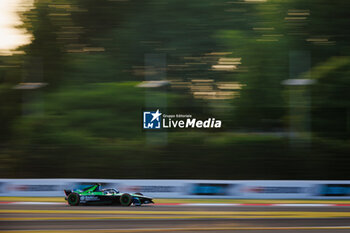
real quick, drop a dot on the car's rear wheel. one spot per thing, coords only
(73, 199)
(125, 199)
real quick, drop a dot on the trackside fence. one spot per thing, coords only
(234, 189)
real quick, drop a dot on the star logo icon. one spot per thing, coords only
(156, 115)
(151, 119)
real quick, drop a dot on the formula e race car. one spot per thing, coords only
(95, 195)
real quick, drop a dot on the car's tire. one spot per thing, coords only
(73, 199)
(125, 199)
(139, 194)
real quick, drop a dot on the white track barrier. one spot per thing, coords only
(234, 189)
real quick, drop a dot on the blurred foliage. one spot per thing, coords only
(87, 121)
(331, 98)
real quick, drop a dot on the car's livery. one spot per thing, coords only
(95, 195)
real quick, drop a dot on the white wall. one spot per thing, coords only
(237, 189)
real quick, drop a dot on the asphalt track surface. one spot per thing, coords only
(64, 218)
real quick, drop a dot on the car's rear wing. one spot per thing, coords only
(67, 192)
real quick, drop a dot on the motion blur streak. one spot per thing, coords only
(77, 75)
(146, 219)
(192, 229)
(71, 98)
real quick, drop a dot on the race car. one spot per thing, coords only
(95, 195)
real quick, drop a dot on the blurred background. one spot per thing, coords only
(76, 74)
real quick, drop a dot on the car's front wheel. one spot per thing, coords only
(73, 199)
(125, 199)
